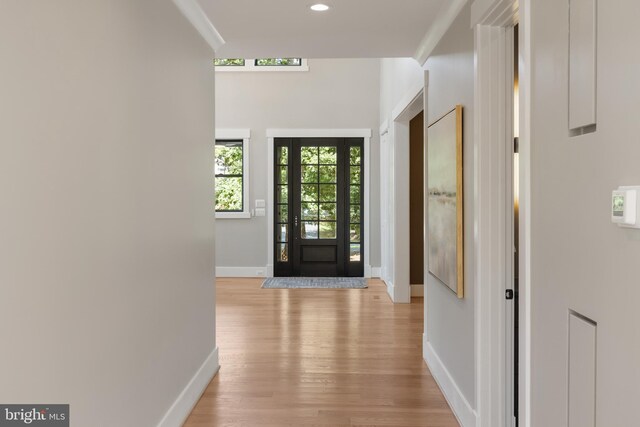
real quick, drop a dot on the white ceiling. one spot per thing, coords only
(350, 29)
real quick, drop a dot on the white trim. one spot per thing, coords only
(457, 402)
(320, 133)
(490, 223)
(367, 204)
(270, 203)
(199, 19)
(384, 128)
(245, 136)
(409, 105)
(390, 289)
(242, 271)
(493, 207)
(187, 399)
(249, 66)
(438, 29)
(396, 215)
(233, 133)
(375, 272)
(417, 291)
(233, 215)
(524, 142)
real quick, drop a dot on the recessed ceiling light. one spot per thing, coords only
(319, 7)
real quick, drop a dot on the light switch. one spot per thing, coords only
(261, 212)
(260, 203)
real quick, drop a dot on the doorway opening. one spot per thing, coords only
(516, 222)
(416, 204)
(319, 207)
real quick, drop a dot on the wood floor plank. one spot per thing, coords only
(319, 357)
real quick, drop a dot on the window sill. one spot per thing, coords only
(233, 215)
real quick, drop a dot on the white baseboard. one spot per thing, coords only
(459, 405)
(375, 272)
(417, 290)
(389, 288)
(184, 403)
(242, 271)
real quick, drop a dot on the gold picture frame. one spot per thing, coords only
(445, 207)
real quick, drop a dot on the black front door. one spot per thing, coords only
(319, 206)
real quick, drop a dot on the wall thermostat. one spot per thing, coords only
(624, 207)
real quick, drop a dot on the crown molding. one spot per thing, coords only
(440, 25)
(193, 12)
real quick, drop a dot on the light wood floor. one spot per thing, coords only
(322, 357)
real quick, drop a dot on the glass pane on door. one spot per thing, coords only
(319, 192)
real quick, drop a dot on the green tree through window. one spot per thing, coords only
(229, 176)
(278, 62)
(228, 62)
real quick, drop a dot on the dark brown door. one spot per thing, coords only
(416, 199)
(318, 211)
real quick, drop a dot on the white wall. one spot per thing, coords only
(106, 248)
(450, 321)
(579, 260)
(335, 93)
(398, 76)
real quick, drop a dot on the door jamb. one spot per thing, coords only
(492, 159)
(398, 285)
(272, 134)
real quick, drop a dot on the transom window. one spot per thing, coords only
(229, 62)
(278, 62)
(261, 64)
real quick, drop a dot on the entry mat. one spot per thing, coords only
(315, 283)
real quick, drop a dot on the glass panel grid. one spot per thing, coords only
(229, 62)
(278, 62)
(283, 214)
(355, 204)
(354, 252)
(328, 174)
(354, 233)
(355, 156)
(283, 156)
(309, 230)
(282, 194)
(328, 230)
(309, 211)
(282, 252)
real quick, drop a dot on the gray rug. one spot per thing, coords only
(315, 283)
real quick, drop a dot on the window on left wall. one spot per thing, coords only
(232, 174)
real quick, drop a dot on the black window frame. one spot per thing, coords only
(221, 141)
(255, 62)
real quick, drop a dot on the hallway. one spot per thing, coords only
(319, 358)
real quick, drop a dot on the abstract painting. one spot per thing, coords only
(444, 184)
